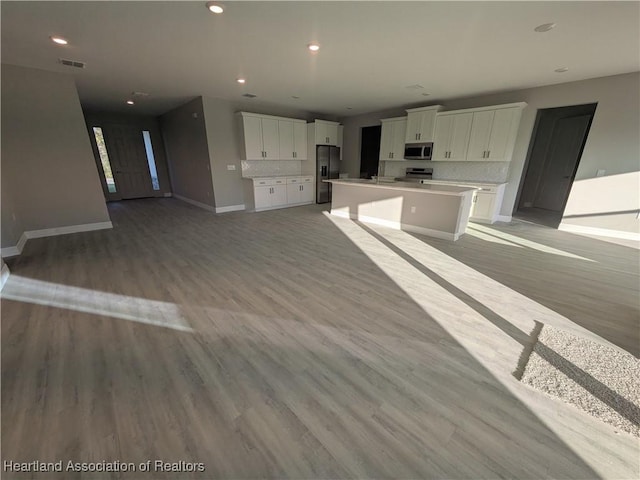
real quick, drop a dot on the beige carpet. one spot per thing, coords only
(603, 381)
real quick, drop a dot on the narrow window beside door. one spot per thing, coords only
(151, 160)
(104, 159)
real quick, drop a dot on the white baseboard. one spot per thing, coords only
(195, 203)
(504, 218)
(600, 232)
(168, 194)
(4, 275)
(50, 232)
(398, 226)
(230, 208)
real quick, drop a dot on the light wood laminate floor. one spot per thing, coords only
(290, 344)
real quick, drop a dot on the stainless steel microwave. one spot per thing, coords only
(418, 151)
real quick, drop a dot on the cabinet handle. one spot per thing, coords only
(419, 136)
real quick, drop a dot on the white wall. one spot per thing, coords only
(47, 160)
(612, 144)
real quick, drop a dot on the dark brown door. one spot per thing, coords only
(125, 145)
(560, 165)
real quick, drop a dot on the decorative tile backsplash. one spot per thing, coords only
(480, 171)
(265, 168)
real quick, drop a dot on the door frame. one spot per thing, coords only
(542, 115)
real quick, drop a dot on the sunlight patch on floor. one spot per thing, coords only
(488, 319)
(141, 310)
(490, 238)
(522, 241)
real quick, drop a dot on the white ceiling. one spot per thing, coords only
(370, 51)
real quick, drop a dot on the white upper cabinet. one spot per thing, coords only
(493, 134)
(300, 140)
(451, 136)
(293, 139)
(392, 138)
(261, 141)
(421, 124)
(326, 132)
(266, 137)
(477, 134)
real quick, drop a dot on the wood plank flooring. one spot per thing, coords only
(288, 344)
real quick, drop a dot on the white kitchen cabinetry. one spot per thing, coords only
(261, 141)
(292, 139)
(299, 190)
(268, 193)
(265, 137)
(326, 132)
(451, 137)
(486, 203)
(421, 124)
(477, 134)
(392, 138)
(493, 134)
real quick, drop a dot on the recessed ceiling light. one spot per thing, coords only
(59, 40)
(545, 27)
(215, 7)
(130, 102)
(349, 108)
(295, 97)
(426, 94)
(314, 47)
(241, 80)
(562, 69)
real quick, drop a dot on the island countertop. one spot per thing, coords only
(438, 210)
(440, 189)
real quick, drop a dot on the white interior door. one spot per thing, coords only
(564, 152)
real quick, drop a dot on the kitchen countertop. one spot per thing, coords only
(466, 182)
(278, 176)
(439, 189)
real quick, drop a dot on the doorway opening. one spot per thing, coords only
(559, 137)
(370, 151)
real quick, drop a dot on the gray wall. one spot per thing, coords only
(47, 159)
(612, 144)
(185, 140)
(143, 122)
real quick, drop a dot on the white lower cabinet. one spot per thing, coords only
(299, 190)
(267, 193)
(486, 203)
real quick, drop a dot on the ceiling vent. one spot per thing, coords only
(414, 87)
(72, 63)
(249, 95)
(139, 94)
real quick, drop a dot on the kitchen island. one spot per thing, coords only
(440, 211)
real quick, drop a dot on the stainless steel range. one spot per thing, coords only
(416, 175)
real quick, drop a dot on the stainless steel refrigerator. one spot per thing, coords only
(327, 167)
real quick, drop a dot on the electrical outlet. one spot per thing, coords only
(231, 167)
(413, 209)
